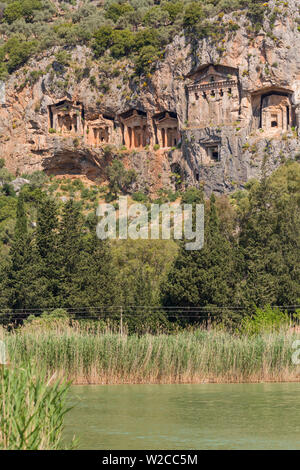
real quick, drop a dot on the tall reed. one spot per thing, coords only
(90, 355)
(31, 409)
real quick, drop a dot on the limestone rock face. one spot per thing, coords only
(18, 183)
(213, 116)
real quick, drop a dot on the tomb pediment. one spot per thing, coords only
(101, 121)
(166, 119)
(273, 90)
(167, 129)
(66, 105)
(212, 76)
(132, 113)
(134, 118)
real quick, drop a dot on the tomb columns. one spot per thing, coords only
(167, 136)
(134, 129)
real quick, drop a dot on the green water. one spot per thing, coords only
(212, 416)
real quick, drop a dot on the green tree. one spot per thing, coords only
(102, 40)
(192, 15)
(95, 276)
(21, 9)
(142, 315)
(146, 37)
(122, 43)
(13, 12)
(21, 270)
(145, 59)
(206, 277)
(173, 9)
(269, 238)
(46, 240)
(116, 10)
(18, 52)
(120, 179)
(69, 247)
(156, 17)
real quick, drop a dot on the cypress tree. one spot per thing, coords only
(95, 276)
(46, 253)
(20, 272)
(69, 247)
(206, 277)
(270, 240)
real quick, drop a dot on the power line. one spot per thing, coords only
(146, 307)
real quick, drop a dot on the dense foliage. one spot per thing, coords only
(251, 252)
(51, 257)
(139, 30)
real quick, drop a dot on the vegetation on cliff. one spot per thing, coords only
(139, 30)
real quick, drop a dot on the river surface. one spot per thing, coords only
(210, 416)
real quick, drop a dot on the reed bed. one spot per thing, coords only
(88, 355)
(32, 409)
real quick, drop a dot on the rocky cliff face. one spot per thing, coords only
(212, 114)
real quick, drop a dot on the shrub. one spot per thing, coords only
(116, 10)
(173, 9)
(63, 58)
(8, 189)
(18, 52)
(85, 193)
(192, 195)
(256, 12)
(78, 184)
(5, 176)
(266, 320)
(139, 197)
(102, 40)
(37, 179)
(145, 59)
(122, 42)
(156, 17)
(192, 15)
(58, 318)
(21, 9)
(146, 37)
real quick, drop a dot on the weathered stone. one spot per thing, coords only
(18, 183)
(234, 115)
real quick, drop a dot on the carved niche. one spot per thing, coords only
(213, 96)
(99, 131)
(272, 109)
(66, 117)
(135, 132)
(167, 134)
